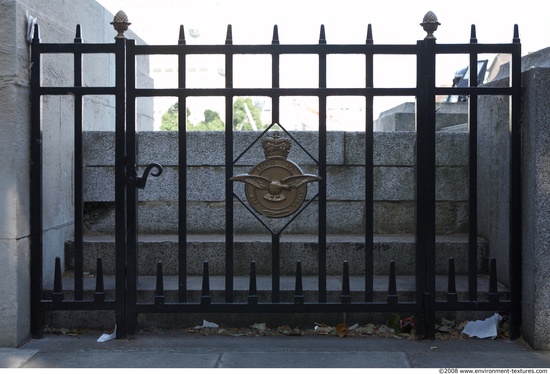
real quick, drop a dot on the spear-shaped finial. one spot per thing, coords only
(369, 34)
(473, 37)
(78, 35)
(229, 36)
(181, 38)
(516, 34)
(275, 39)
(322, 37)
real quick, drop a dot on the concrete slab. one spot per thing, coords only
(481, 360)
(176, 348)
(15, 358)
(122, 359)
(329, 359)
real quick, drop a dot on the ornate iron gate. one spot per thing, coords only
(128, 182)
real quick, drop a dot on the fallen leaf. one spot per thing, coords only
(368, 329)
(341, 330)
(386, 330)
(324, 330)
(393, 322)
(260, 326)
(295, 332)
(446, 325)
(284, 330)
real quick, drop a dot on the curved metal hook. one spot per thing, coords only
(140, 182)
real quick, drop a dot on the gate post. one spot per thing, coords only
(37, 315)
(120, 188)
(425, 179)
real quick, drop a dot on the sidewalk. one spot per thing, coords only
(184, 350)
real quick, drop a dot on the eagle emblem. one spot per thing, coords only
(276, 187)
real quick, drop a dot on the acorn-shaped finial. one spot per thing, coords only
(430, 24)
(120, 24)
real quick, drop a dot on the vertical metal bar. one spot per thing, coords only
(99, 295)
(515, 226)
(492, 295)
(252, 289)
(392, 285)
(159, 288)
(275, 64)
(57, 295)
(275, 268)
(78, 177)
(451, 282)
(120, 187)
(369, 174)
(205, 293)
(472, 211)
(182, 175)
(425, 184)
(132, 194)
(298, 288)
(229, 225)
(345, 297)
(322, 234)
(36, 224)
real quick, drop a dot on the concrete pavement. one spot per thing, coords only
(184, 350)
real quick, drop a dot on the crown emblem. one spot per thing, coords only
(276, 187)
(275, 146)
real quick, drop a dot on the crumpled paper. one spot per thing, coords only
(106, 337)
(206, 324)
(488, 328)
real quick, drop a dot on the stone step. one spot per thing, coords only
(293, 248)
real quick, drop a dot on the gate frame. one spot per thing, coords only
(126, 180)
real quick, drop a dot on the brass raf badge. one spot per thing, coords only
(276, 187)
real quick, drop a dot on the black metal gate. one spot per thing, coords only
(128, 182)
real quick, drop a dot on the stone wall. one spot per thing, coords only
(403, 117)
(393, 182)
(494, 151)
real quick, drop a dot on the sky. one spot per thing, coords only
(346, 22)
(393, 21)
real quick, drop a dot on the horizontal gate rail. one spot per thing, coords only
(126, 92)
(299, 49)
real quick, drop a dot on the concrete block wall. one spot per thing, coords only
(393, 183)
